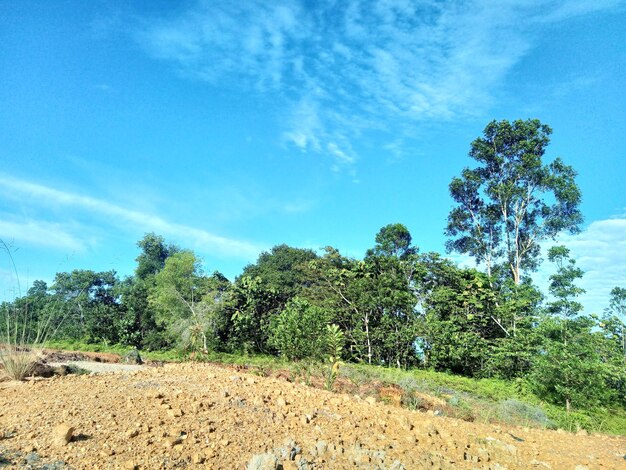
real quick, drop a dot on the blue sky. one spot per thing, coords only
(229, 127)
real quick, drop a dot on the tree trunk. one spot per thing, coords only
(367, 337)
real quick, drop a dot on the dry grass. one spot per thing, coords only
(23, 333)
(17, 363)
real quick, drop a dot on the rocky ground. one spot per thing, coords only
(205, 416)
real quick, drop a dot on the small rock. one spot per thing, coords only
(321, 447)
(175, 413)
(62, 434)
(281, 402)
(197, 459)
(289, 465)
(32, 458)
(263, 462)
(131, 465)
(397, 465)
(132, 357)
(41, 369)
(539, 463)
(371, 400)
(431, 430)
(173, 441)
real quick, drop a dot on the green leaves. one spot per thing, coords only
(299, 331)
(334, 348)
(581, 373)
(512, 201)
(562, 285)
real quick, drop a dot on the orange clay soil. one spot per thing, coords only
(205, 416)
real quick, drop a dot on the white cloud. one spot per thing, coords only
(40, 233)
(600, 251)
(348, 67)
(111, 214)
(305, 126)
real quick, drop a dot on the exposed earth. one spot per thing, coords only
(207, 416)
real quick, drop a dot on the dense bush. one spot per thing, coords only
(299, 331)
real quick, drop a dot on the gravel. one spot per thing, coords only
(100, 367)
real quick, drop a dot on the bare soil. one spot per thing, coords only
(206, 416)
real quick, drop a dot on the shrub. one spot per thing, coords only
(334, 347)
(299, 332)
(518, 412)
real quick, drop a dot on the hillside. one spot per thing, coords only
(205, 416)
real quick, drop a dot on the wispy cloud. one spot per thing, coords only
(52, 235)
(61, 236)
(345, 68)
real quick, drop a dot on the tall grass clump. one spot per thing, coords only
(334, 349)
(23, 333)
(409, 398)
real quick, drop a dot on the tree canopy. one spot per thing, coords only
(513, 200)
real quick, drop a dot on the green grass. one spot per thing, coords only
(492, 400)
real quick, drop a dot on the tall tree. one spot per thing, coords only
(562, 285)
(90, 302)
(513, 200)
(393, 240)
(281, 269)
(186, 302)
(614, 319)
(153, 254)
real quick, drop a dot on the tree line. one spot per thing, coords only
(395, 307)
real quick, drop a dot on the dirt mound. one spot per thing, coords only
(204, 416)
(51, 355)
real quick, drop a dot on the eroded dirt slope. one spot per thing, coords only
(203, 416)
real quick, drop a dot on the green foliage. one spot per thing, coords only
(334, 349)
(373, 301)
(393, 240)
(459, 322)
(409, 398)
(299, 331)
(251, 305)
(282, 270)
(512, 200)
(562, 285)
(577, 372)
(514, 411)
(154, 252)
(90, 302)
(614, 321)
(187, 303)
